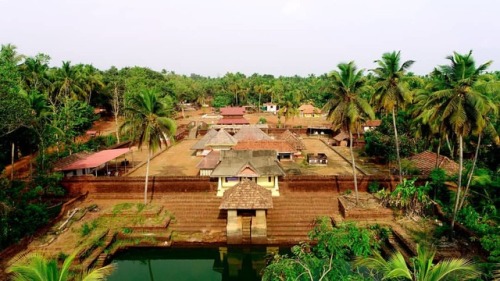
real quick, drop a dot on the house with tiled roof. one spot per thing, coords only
(260, 166)
(293, 140)
(425, 162)
(208, 163)
(371, 124)
(309, 110)
(284, 150)
(201, 146)
(248, 133)
(221, 141)
(232, 116)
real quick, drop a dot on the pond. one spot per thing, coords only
(201, 263)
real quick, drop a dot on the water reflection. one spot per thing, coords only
(214, 263)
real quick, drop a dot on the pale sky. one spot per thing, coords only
(279, 37)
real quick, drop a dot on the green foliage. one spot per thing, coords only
(222, 100)
(262, 120)
(439, 190)
(411, 199)
(87, 228)
(328, 259)
(374, 187)
(119, 208)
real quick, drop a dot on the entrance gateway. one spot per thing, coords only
(246, 204)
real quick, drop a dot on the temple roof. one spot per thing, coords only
(246, 195)
(262, 162)
(202, 143)
(295, 141)
(280, 146)
(210, 161)
(222, 138)
(232, 111)
(251, 133)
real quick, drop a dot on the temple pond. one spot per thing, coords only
(193, 263)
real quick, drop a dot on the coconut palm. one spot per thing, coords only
(422, 269)
(147, 122)
(460, 107)
(289, 104)
(346, 109)
(67, 83)
(391, 91)
(36, 267)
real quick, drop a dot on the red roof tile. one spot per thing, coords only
(426, 162)
(277, 145)
(232, 111)
(95, 160)
(246, 195)
(233, 121)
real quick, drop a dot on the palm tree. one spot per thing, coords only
(391, 92)
(289, 104)
(459, 106)
(92, 80)
(67, 83)
(36, 267)
(396, 268)
(147, 122)
(346, 108)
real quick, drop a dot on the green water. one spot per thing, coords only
(182, 264)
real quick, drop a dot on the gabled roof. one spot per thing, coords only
(426, 162)
(233, 121)
(232, 111)
(210, 161)
(246, 195)
(232, 162)
(309, 109)
(281, 146)
(222, 138)
(373, 123)
(291, 138)
(94, 160)
(251, 133)
(341, 136)
(202, 143)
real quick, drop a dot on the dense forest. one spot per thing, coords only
(452, 111)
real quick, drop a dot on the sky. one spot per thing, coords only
(278, 37)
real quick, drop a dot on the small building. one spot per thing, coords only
(284, 150)
(97, 163)
(200, 146)
(249, 133)
(260, 166)
(232, 116)
(271, 107)
(319, 159)
(309, 110)
(221, 141)
(293, 140)
(371, 125)
(208, 163)
(246, 204)
(425, 162)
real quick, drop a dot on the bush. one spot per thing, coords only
(262, 120)
(374, 187)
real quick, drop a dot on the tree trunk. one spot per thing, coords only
(459, 187)
(396, 140)
(12, 161)
(353, 167)
(471, 173)
(147, 179)
(117, 129)
(438, 154)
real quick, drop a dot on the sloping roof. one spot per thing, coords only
(210, 161)
(246, 195)
(222, 138)
(251, 133)
(233, 121)
(309, 109)
(278, 145)
(203, 141)
(372, 123)
(264, 163)
(426, 162)
(95, 159)
(341, 136)
(292, 139)
(232, 111)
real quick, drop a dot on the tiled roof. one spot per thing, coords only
(309, 109)
(210, 161)
(295, 141)
(251, 133)
(232, 111)
(341, 136)
(373, 123)
(232, 162)
(246, 195)
(204, 140)
(278, 145)
(232, 121)
(222, 138)
(426, 162)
